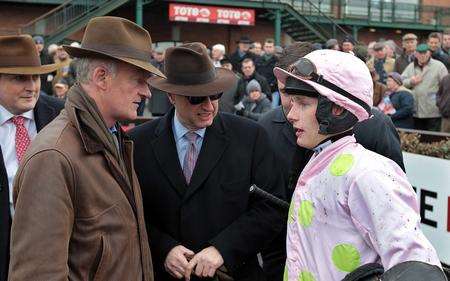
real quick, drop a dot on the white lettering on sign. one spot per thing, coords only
(231, 14)
(191, 11)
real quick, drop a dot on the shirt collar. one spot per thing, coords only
(180, 130)
(5, 115)
(113, 130)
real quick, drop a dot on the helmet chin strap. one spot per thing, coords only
(330, 124)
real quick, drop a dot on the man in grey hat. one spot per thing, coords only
(381, 62)
(409, 43)
(79, 213)
(195, 166)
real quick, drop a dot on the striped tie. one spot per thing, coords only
(191, 156)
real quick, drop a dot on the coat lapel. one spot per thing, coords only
(214, 145)
(166, 154)
(43, 114)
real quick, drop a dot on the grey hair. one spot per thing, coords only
(85, 67)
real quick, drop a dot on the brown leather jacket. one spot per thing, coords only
(79, 212)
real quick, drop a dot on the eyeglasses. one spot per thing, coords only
(307, 70)
(199, 100)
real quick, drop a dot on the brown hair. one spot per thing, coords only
(248, 60)
(292, 53)
(435, 35)
(270, 41)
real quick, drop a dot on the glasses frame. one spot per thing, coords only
(199, 100)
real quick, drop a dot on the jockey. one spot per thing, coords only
(351, 206)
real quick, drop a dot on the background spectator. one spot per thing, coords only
(46, 78)
(226, 102)
(423, 77)
(60, 88)
(64, 61)
(256, 49)
(381, 62)
(443, 103)
(159, 103)
(390, 49)
(249, 73)
(409, 44)
(434, 44)
(332, 44)
(398, 102)
(241, 53)
(217, 54)
(348, 45)
(265, 65)
(446, 42)
(378, 88)
(255, 103)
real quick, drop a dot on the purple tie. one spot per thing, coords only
(191, 156)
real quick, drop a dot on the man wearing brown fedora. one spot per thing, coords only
(195, 167)
(23, 113)
(78, 203)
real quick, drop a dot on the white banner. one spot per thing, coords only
(431, 178)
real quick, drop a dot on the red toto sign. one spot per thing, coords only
(211, 14)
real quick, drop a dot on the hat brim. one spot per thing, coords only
(337, 98)
(30, 70)
(79, 52)
(224, 80)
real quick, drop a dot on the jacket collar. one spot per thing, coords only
(86, 117)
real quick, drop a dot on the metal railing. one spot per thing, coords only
(316, 8)
(62, 16)
(375, 11)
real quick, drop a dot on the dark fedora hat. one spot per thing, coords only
(190, 72)
(244, 39)
(18, 55)
(116, 38)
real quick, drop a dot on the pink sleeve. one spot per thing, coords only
(384, 208)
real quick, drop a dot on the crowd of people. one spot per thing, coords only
(169, 199)
(415, 99)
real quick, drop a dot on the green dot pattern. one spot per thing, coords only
(306, 276)
(291, 213)
(286, 274)
(341, 165)
(305, 213)
(346, 257)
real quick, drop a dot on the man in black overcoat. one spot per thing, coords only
(195, 167)
(20, 86)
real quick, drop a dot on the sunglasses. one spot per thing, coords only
(199, 100)
(307, 70)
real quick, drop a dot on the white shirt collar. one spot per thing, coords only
(5, 115)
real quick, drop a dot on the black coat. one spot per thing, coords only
(46, 109)
(377, 134)
(403, 102)
(265, 66)
(215, 209)
(236, 60)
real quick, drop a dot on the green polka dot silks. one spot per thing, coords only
(346, 257)
(306, 213)
(341, 165)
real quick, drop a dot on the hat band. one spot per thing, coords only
(191, 78)
(20, 61)
(119, 51)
